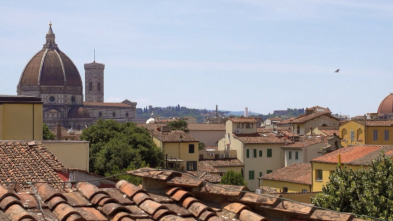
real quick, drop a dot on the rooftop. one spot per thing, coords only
(355, 155)
(306, 142)
(206, 127)
(23, 161)
(268, 138)
(176, 136)
(296, 173)
(243, 120)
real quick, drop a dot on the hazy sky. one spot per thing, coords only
(264, 55)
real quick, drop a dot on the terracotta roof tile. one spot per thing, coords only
(222, 163)
(355, 155)
(161, 212)
(306, 142)
(235, 207)
(197, 208)
(9, 201)
(180, 195)
(219, 189)
(247, 215)
(16, 212)
(185, 180)
(139, 198)
(296, 173)
(175, 136)
(328, 215)
(28, 162)
(378, 123)
(293, 207)
(259, 139)
(253, 198)
(63, 211)
(151, 173)
(151, 206)
(129, 189)
(330, 132)
(110, 209)
(188, 201)
(179, 210)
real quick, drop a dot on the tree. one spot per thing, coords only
(365, 192)
(178, 125)
(117, 147)
(232, 178)
(46, 133)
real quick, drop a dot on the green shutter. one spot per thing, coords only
(260, 153)
(248, 153)
(255, 153)
(251, 174)
(269, 171)
(269, 153)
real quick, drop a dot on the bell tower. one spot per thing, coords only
(94, 82)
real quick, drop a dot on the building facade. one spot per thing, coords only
(52, 76)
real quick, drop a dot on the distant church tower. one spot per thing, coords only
(94, 82)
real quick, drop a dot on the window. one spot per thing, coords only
(269, 153)
(269, 171)
(260, 153)
(248, 153)
(113, 114)
(375, 135)
(251, 174)
(318, 175)
(304, 191)
(298, 129)
(98, 86)
(386, 133)
(255, 153)
(90, 86)
(285, 189)
(191, 165)
(290, 155)
(99, 114)
(51, 98)
(191, 148)
(238, 125)
(260, 174)
(72, 99)
(296, 155)
(126, 114)
(247, 125)
(352, 135)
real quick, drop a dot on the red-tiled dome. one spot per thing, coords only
(50, 67)
(386, 106)
(78, 112)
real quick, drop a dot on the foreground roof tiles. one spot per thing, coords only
(163, 197)
(355, 155)
(296, 173)
(24, 162)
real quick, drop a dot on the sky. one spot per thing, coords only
(264, 55)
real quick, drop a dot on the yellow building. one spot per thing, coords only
(353, 157)
(378, 132)
(180, 148)
(20, 118)
(260, 153)
(294, 178)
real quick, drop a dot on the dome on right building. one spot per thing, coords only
(386, 106)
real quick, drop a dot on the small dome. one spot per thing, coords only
(386, 106)
(78, 112)
(150, 121)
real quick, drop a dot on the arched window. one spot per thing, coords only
(359, 135)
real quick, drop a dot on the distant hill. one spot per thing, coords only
(202, 114)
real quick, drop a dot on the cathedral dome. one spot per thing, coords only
(386, 106)
(50, 68)
(78, 112)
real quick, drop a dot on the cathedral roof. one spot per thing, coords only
(49, 67)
